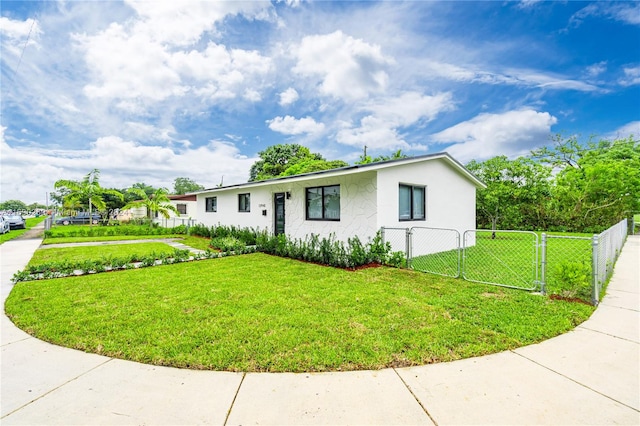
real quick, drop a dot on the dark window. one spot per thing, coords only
(182, 208)
(412, 202)
(244, 202)
(323, 203)
(211, 204)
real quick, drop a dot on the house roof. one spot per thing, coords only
(452, 162)
(183, 197)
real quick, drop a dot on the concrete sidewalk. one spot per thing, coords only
(587, 376)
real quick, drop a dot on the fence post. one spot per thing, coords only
(408, 246)
(595, 294)
(382, 235)
(543, 263)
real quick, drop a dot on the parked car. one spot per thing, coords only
(80, 218)
(4, 225)
(16, 221)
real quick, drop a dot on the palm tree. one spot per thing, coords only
(86, 190)
(158, 202)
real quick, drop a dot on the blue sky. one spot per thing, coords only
(147, 91)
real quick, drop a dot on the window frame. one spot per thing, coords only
(214, 204)
(247, 207)
(413, 188)
(184, 206)
(324, 203)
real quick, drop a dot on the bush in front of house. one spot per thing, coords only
(329, 251)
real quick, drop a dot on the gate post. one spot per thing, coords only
(408, 247)
(543, 264)
(595, 293)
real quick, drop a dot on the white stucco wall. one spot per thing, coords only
(450, 202)
(357, 207)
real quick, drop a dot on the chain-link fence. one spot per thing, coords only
(607, 247)
(503, 258)
(571, 267)
(435, 250)
(398, 239)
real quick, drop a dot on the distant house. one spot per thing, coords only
(430, 190)
(186, 205)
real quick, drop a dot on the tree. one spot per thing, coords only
(182, 185)
(86, 192)
(13, 205)
(310, 166)
(158, 202)
(366, 159)
(517, 193)
(277, 158)
(596, 184)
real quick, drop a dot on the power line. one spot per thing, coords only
(33, 22)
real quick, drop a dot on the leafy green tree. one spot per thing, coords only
(366, 159)
(86, 192)
(516, 196)
(13, 205)
(182, 185)
(310, 166)
(34, 206)
(158, 202)
(596, 184)
(276, 159)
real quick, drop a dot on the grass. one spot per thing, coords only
(77, 234)
(64, 240)
(62, 254)
(14, 233)
(263, 313)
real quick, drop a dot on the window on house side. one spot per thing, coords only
(323, 203)
(211, 204)
(182, 208)
(244, 202)
(411, 202)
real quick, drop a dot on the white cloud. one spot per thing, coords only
(291, 126)
(596, 69)
(629, 129)
(631, 76)
(28, 172)
(347, 68)
(135, 62)
(512, 133)
(379, 130)
(627, 12)
(288, 97)
(512, 76)
(183, 22)
(410, 107)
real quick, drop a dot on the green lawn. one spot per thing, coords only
(80, 253)
(14, 233)
(263, 313)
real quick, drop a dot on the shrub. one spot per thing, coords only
(573, 278)
(329, 251)
(227, 244)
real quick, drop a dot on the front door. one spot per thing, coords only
(278, 208)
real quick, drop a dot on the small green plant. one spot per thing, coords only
(573, 279)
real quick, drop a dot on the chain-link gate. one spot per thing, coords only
(503, 258)
(435, 250)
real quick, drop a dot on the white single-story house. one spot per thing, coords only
(186, 207)
(430, 191)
